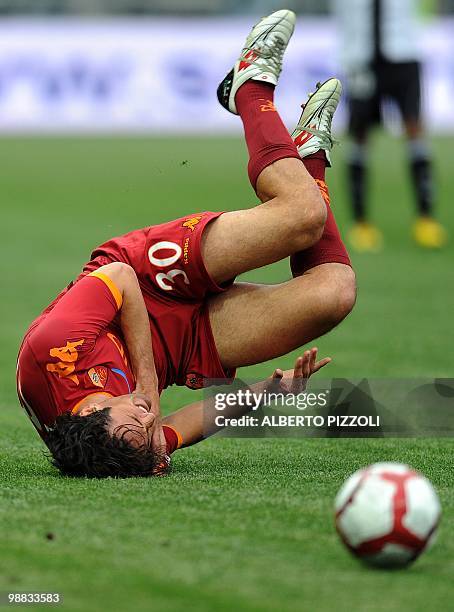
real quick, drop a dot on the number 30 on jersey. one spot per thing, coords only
(165, 280)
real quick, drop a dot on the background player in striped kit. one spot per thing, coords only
(381, 56)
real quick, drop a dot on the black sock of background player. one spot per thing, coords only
(421, 172)
(357, 181)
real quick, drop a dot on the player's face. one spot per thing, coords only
(130, 418)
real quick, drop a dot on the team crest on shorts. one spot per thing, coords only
(194, 381)
(98, 376)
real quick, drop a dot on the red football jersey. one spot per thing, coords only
(75, 348)
(73, 351)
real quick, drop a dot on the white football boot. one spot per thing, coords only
(313, 131)
(261, 58)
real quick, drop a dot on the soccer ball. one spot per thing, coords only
(387, 514)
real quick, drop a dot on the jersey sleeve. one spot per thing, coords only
(74, 324)
(173, 439)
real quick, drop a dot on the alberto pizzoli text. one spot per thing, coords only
(299, 420)
(302, 401)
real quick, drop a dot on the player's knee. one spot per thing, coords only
(342, 293)
(336, 288)
(314, 221)
(307, 217)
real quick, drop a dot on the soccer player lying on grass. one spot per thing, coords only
(159, 306)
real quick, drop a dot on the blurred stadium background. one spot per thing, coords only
(127, 65)
(182, 7)
(129, 88)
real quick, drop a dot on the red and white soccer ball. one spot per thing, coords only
(387, 514)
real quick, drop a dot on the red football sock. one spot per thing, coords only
(267, 138)
(330, 248)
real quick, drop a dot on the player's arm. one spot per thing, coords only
(72, 328)
(135, 327)
(198, 420)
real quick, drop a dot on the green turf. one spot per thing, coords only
(239, 524)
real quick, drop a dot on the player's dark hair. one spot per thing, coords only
(83, 446)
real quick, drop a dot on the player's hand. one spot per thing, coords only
(152, 396)
(295, 381)
(158, 440)
(155, 432)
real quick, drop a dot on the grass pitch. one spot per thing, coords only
(239, 524)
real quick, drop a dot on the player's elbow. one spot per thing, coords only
(123, 269)
(122, 274)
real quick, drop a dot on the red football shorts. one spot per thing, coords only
(175, 283)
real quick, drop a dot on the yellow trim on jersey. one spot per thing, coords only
(111, 285)
(179, 437)
(76, 407)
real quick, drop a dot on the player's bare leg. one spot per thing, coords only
(253, 323)
(293, 215)
(291, 220)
